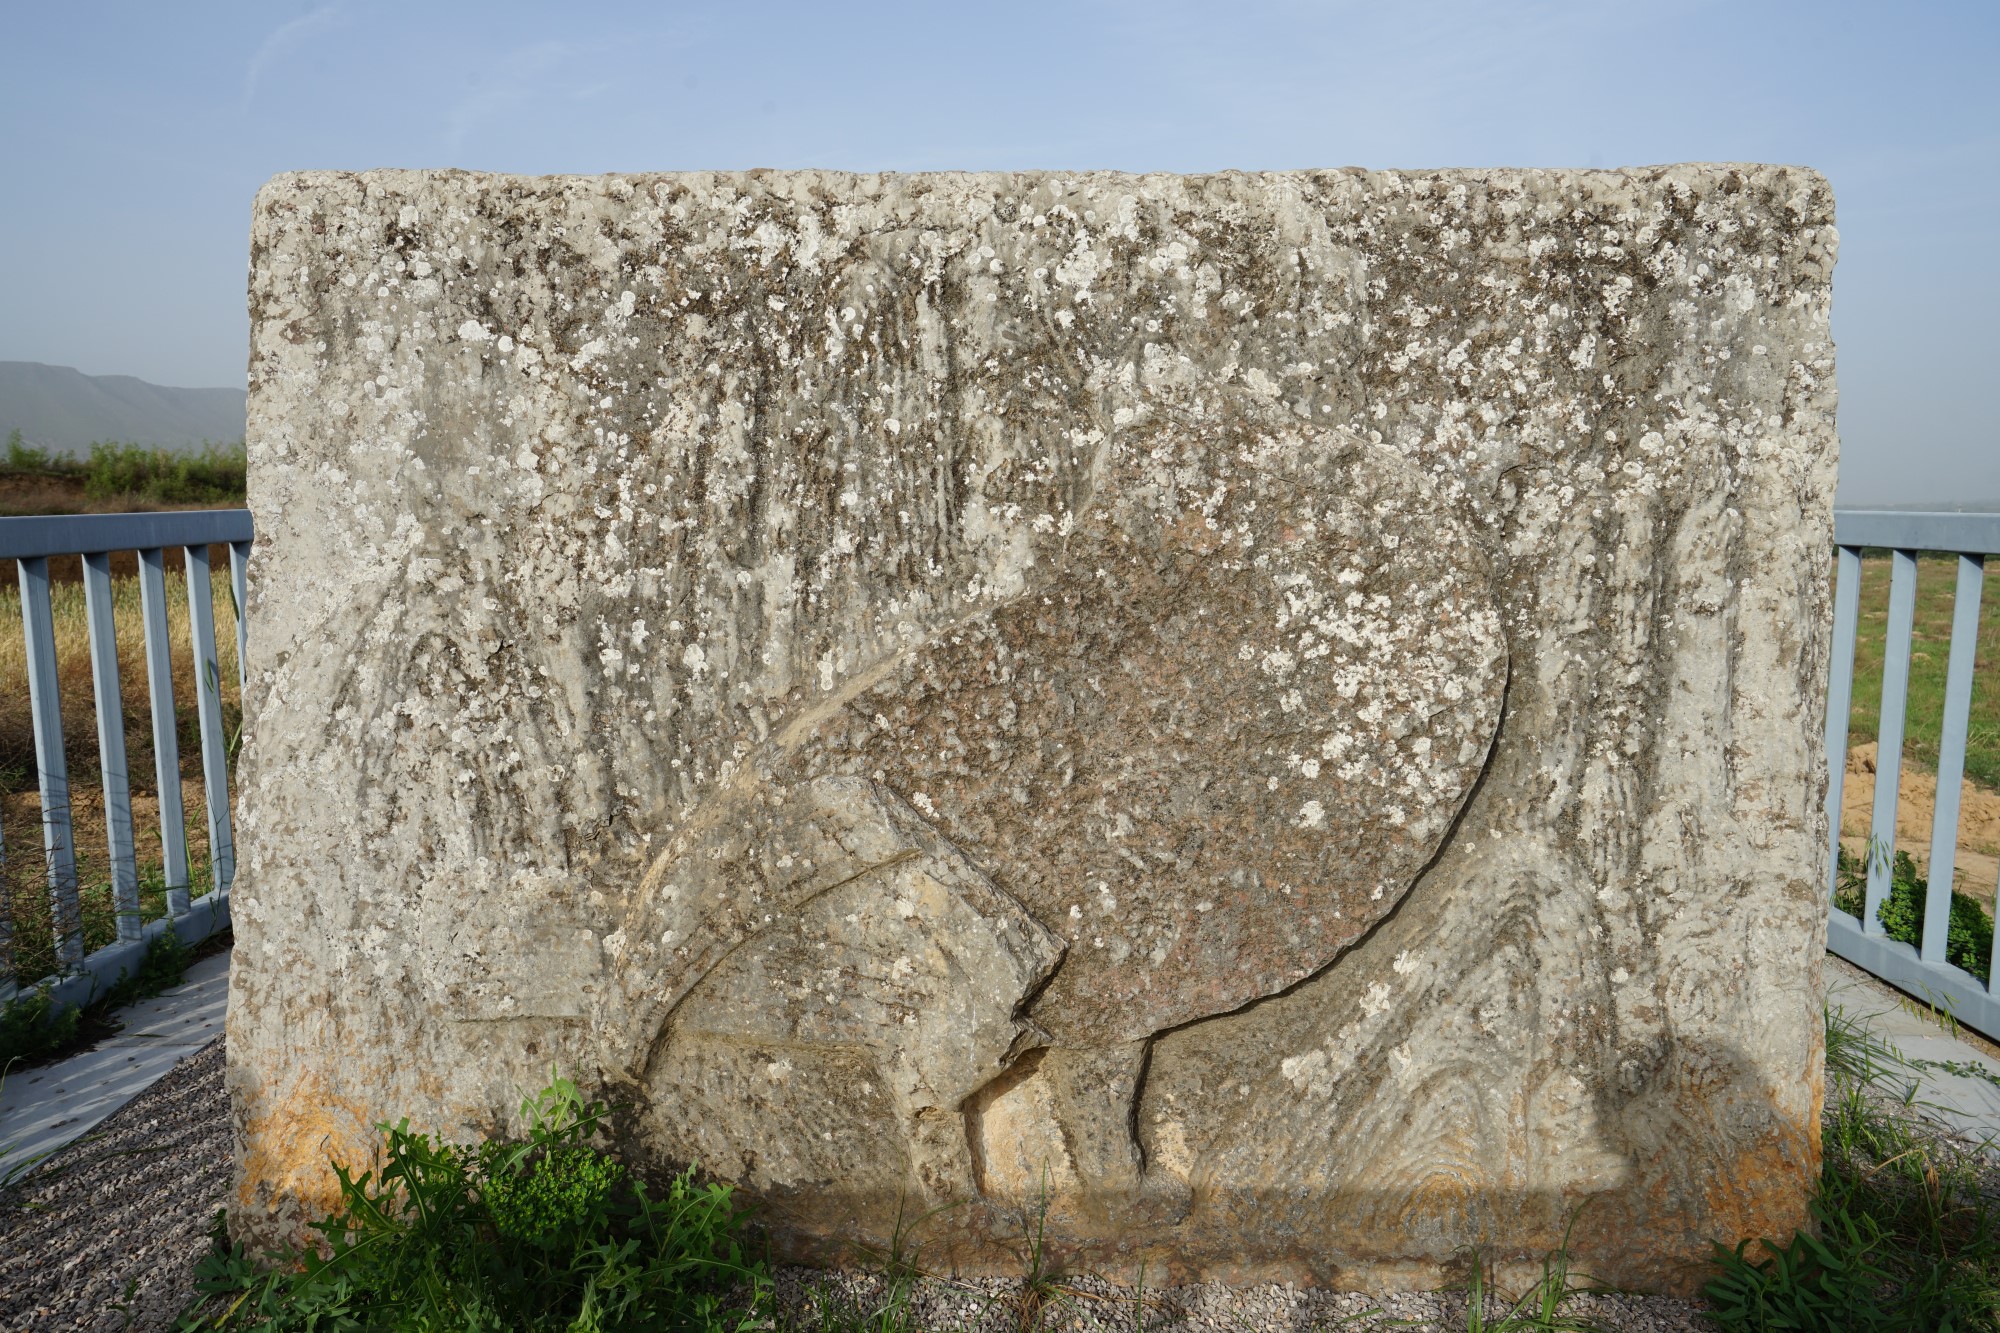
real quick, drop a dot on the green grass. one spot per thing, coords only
(1539, 1309)
(1930, 648)
(891, 1309)
(1905, 1235)
(25, 889)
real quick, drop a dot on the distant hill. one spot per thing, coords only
(65, 410)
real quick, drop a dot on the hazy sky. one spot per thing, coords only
(133, 136)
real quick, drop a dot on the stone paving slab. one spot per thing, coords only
(44, 1108)
(1956, 1075)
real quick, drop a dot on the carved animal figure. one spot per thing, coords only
(1218, 735)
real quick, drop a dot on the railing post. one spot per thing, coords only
(166, 727)
(1840, 702)
(1889, 735)
(208, 699)
(1923, 970)
(103, 633)
(239, 591)
(32, 542)
(9, 977)
(51, 770)
(1951, 755)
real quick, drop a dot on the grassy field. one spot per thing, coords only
(1930, 647)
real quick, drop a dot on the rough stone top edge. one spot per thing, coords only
(1804, 179)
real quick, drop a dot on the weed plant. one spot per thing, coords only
(891, 1310)
(1045, 1281)
(1968, 937)
(24, 898)
(35, 1029)
(1539, 1309)
(546, 1234)
(1906, 1235)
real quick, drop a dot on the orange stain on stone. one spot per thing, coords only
(290, 1148)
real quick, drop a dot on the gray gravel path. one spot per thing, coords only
(105, 1234)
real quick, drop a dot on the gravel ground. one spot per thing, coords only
(806, 1297)
(105, 1235)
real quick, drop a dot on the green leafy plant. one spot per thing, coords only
(24, 457)
(1968, 936)
(1832, 1282)
(164, 964)
(212, 475)
(545, 1234)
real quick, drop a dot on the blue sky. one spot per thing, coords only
(136, 134)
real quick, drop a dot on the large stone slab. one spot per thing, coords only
(1272, 719)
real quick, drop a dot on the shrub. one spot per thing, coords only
(1831, 1282)
(1968, 936)
(546, 1234)
(24, 457)
(213, 476)
(33, 1027)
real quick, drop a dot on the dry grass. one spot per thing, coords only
(23, 879)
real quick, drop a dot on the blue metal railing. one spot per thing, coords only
(30, 542)
(1923, 970)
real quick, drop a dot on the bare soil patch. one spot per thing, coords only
(1978, 868)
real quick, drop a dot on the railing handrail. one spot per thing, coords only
(1918, 530)
(44, 535)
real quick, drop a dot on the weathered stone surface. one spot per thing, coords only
(1275, 717)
